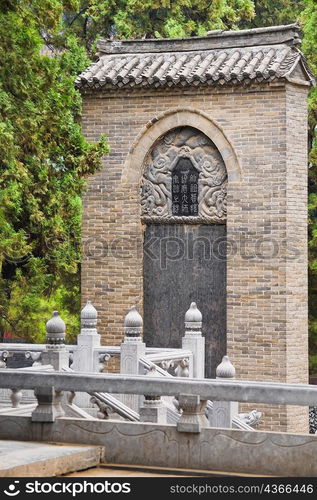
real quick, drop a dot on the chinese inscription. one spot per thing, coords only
(185, 188)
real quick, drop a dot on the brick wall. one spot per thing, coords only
(296, 269)
(267, 260)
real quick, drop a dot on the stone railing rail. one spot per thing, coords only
(107, 402)
(102, 353)
(169, 355)
(148, 365)
(179, 361)
(192, 394)
(21, 347)
(115, 350)
(213, 389)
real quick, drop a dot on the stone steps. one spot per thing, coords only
(32, 459)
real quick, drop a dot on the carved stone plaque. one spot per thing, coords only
(169, 195)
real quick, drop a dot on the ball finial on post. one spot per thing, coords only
(55, 331)
(133, 324)
(193, 315)
(225, 369)
(88, 316)
(193, 320)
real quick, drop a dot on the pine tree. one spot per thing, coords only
(44, 160)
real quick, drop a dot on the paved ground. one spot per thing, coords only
(31, 459)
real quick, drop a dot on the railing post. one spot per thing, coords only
(55, 353)
(223, 411)
(132, 349)
(16, 397)
(153, 408)
(49, 401)
(85, 355)
(194, 341)
(49, 405)
(193, 413)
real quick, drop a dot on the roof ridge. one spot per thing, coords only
(189, 51)
(254, 31)
(271, 35)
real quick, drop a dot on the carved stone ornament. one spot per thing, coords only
(184, 180)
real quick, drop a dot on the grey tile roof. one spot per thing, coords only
(219, 59)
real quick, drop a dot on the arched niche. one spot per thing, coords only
(169, 120)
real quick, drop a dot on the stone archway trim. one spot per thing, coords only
(179, 117)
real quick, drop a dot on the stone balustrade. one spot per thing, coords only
(88, 356)
(207, 389)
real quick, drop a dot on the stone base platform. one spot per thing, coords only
(162, 445)
(33, 459)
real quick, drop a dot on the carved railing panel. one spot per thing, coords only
(103, 359)
(3, 359)
(36, 357)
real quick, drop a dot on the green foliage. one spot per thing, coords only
(28, 308)
(43, 163)
(313, 364)
(148, 18)
(273, 13)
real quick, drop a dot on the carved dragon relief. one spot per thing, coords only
(156, 187)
